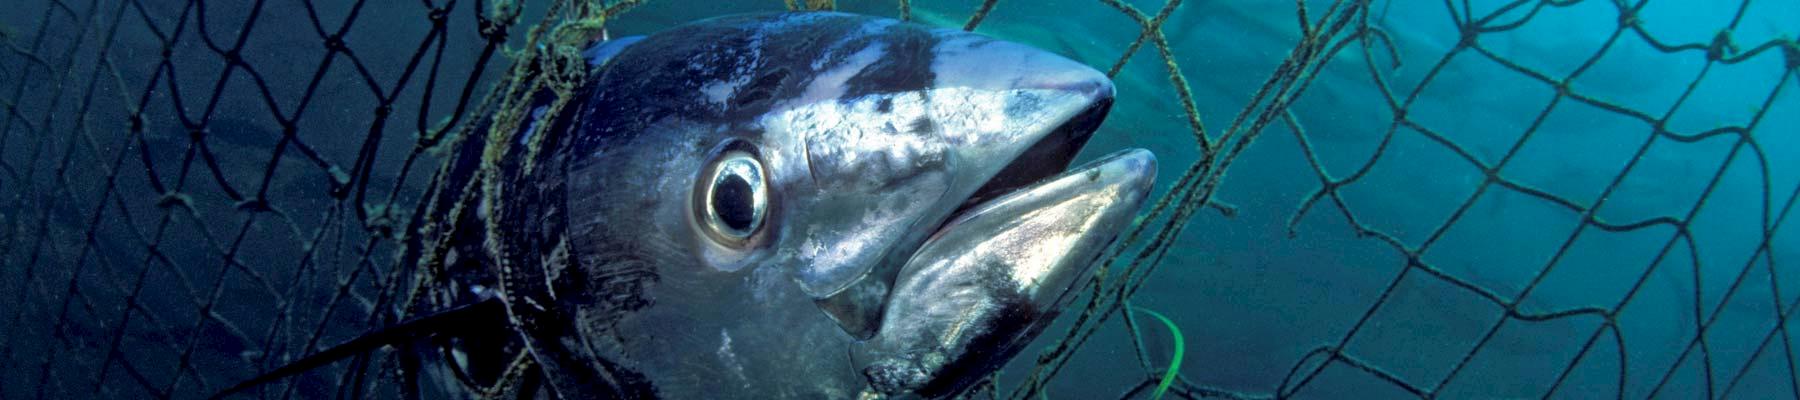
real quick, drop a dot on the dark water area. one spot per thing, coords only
(1556, 207)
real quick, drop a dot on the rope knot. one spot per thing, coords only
(1469, 32)
(335, 43)
(1628, 18)
(438, 16)
(255, 205)
(1791, 49)
(172, 199)
(1720, 46)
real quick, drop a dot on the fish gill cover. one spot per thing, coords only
(1528, 198)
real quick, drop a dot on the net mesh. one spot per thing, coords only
(194, 193)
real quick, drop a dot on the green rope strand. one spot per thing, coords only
(1174, 360)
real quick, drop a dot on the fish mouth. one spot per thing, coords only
(1049, 156)
(999, 269)
(1053, 115)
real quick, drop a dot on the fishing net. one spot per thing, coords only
(193, 193)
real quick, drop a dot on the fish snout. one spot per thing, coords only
(1026, 112)
(995, 276)
(963, 59)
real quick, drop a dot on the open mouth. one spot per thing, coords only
(992, 276)
(1048, 157)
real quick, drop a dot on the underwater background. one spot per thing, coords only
(1358, 199)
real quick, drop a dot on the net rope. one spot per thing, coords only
(174, 227)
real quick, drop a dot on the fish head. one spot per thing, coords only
(822, 204)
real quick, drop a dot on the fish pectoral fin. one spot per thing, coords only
(490, 309)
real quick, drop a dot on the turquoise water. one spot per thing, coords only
(1691, 214)
(1254, 299)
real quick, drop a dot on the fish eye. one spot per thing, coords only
(732, 198)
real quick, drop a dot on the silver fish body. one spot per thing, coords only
(806, 205)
